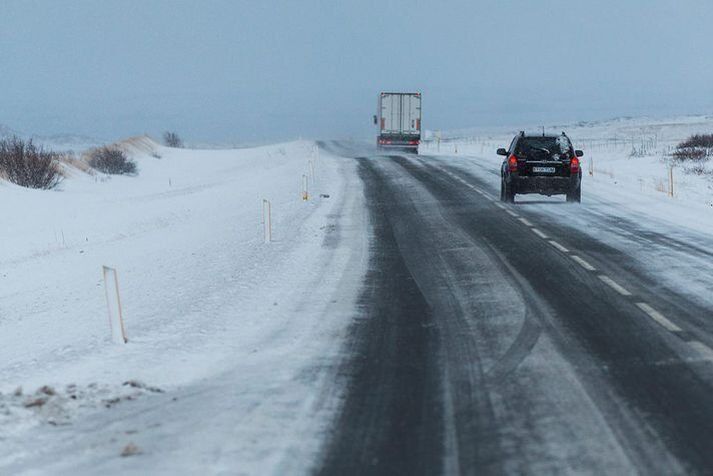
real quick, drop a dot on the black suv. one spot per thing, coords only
(544, 164)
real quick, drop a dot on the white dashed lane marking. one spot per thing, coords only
(464, 182)
(701, 348)
(525, 222)
(705, 351)
(658, 317)
(559, 247)
(583, 263)
(614, 285)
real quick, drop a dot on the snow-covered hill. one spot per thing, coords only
(211, 311)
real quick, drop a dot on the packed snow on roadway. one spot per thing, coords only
(628, 199)
(228, 336)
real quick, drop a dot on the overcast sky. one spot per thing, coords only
(262, 70)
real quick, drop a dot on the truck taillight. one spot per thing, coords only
(413, 142)
(574, 165)
(512, 163)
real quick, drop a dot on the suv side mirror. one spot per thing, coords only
(375, 120)
(502, 151)
(578, 153)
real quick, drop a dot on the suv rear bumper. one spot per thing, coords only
(545, 185)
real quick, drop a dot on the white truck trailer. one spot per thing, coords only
(399, 120)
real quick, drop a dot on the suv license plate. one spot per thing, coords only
(544, 170)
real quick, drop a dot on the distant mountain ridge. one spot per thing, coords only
(75, 142)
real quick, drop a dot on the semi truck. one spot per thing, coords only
(398, 117)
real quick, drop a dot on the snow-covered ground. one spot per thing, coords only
(228, 336)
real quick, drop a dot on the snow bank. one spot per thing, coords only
(138, 146)
(224, 324)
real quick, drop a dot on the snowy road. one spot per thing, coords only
(534, 338)
(402, 321)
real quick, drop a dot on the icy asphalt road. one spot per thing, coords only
(510, 339)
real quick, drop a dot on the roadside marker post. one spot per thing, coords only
(267, 220)
(305, 191)
(670, 181)
(113, 302)
(315, 153)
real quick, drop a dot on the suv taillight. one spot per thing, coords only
(512, 163)
(574, 165)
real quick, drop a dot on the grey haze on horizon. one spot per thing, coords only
(255, 71)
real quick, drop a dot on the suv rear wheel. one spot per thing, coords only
(575, 196)
(506, 192)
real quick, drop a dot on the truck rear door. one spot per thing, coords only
(390, 113)
(411, 107)
(400, 113)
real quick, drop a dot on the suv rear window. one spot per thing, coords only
(535, 145)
